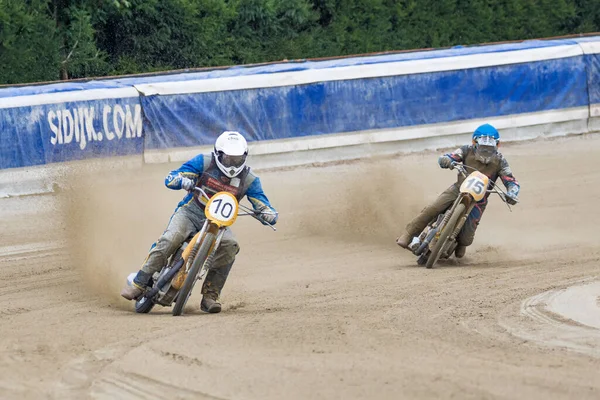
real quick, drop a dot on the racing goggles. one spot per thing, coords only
(487, 141)
(232, 161)
(486, 147)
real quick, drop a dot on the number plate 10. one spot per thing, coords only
(222, 208)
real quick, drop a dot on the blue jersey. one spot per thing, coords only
(194, 168)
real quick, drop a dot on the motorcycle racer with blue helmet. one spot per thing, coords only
(482, 155)
(223, 170)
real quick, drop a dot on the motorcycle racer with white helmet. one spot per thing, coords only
(230, 153)
(222, 170)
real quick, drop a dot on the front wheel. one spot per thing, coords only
(448, 229)
(192, 277)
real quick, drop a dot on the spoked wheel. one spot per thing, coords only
(441, 243)
(192, 277)
(144, 305)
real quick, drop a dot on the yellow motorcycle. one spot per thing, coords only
(438, 239)
(190, 263)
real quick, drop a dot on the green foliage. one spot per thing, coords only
(29, 47)
(82, 56)
(267, 30)
(587, 16)
(51, 39)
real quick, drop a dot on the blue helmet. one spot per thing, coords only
(485, 140)
(486, 130)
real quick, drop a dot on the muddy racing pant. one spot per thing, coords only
(441, 204)
(188, 220)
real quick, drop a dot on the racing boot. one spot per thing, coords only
(404, 240)
(210, 303)
(132, 291)
(460, 251)
(136, 288)
(211, 288)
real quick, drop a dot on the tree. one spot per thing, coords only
(165, 34)
(586, 17)
(28, 42)
(48, 39)
(361, 26)
(79, 54)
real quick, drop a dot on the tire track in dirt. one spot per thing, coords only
(552, 321)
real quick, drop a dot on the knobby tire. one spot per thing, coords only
(448, 229)
(192, 276)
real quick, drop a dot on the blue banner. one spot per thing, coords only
(365, 104)
(70, 131)
(593, 63)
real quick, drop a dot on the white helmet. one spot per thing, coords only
(230, 153)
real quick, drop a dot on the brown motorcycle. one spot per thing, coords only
(438, 239)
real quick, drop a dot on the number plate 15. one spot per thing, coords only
(222, 208)
(476, 185)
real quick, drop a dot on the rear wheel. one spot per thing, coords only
(422, 260)
(448, 229)
(144, 305)
(192, 277)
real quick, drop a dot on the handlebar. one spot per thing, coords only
(247, 211)
(462, 169)
(254, 214)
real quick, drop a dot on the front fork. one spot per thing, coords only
(211, 256)
(469, 202)
(192, 249)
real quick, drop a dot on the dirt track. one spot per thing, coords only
(327, 307)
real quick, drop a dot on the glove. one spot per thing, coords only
(511, 198)
(269, 217)
(446, 162)
(187, 183)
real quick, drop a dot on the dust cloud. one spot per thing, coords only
(368, 202)
(113, 215)
(110, 220)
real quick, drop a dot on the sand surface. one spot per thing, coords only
(327, 307)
